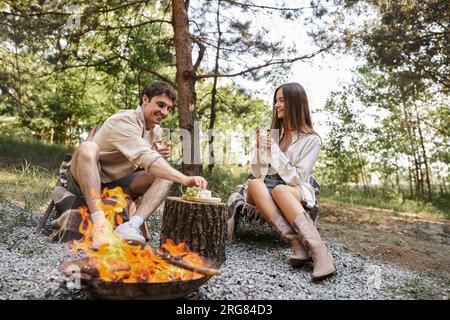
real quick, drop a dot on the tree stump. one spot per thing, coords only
(203, 226)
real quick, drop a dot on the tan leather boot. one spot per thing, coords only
(284, 229)
(323, 260)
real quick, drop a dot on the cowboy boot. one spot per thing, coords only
(322, 259)
(285, 231)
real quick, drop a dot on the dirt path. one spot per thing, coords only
(413, 243)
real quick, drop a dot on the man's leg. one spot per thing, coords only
(84, 168)
(153, 190)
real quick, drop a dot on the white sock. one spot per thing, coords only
(97, 215)
(136, 221)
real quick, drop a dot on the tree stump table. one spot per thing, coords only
(203, 226)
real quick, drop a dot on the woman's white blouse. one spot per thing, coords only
(295, 166)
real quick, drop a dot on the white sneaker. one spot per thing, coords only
(130, 233)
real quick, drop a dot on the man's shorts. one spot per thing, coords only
(124, 183)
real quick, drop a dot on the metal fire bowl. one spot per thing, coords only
(99, 289)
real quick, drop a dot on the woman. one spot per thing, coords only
(283, 168)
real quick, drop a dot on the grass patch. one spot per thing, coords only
(388, 199)
(416, 289)
(28, 185)
(17, 151)
(28, 169)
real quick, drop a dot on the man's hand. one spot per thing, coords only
(164, 151)
(195, 181)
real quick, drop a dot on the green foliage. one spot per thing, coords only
(413, 36)
(59, 81)
(222, 180)
(406, 140)
(342, 157)
(234, 105)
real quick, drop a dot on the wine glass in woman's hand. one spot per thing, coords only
(263, 139)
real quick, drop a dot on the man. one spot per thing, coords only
(122, 153)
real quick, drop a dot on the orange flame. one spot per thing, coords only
(119, 261)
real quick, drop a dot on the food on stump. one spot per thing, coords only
(206, 194)
(192, 192)
(197, 193)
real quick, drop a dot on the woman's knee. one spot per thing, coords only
(280, 191)
(254, 185)
(283, 192)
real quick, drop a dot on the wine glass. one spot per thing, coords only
(164, 139)
(264, 133)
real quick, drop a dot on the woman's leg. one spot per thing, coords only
(260, 196)
(288, 200)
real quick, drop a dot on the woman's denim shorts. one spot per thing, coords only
(272, 183)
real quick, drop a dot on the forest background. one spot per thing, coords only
(67, 65)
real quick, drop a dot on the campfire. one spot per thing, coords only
(117, 263)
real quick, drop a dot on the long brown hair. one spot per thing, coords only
(296, 110)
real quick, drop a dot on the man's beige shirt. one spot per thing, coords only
(125, 144)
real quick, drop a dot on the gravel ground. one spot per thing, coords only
(256, 268)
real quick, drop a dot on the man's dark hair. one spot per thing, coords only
(157, 88)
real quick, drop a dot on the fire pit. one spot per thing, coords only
(98, 289)
(101, 289)
(119, 270)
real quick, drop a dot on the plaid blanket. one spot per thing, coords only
(240, 212)
(67, 218)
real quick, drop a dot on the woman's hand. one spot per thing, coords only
(263, 141)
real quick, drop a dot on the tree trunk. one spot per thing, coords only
(424, 154)
(397, 178)
(186, 89)
(445, 185)
(441, 189)
(410, 181)
(203, 226)
(361, 169)
(420, 169)
(413, 152)
(19, 98)
(214, 94)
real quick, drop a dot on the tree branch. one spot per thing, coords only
(268, 63)
(201, 53)
(266, 7)
(436, 77)
(134, 63)
(57, 13)
(86, 65)
(444, 133)
(105, 28)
